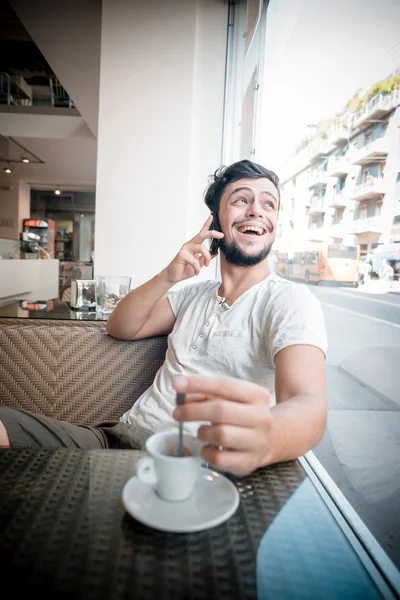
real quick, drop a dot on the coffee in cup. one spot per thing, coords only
(173, 449)
(173, 477)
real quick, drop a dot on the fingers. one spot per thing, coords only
(198, 250)
(223, 387)
(206, 233)
(238, 462)
(207, 224)
(192, 260)
(211, 233)
(229, 437)
(202, 250)
(218, 412)
(195, 397)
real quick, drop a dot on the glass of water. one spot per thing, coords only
(110, 289)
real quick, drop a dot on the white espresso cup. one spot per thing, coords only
(174, 477)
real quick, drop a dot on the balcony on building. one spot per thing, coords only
(395, 231)
(318, 148)
(337, 230)
(338, 199)
(317, 205)
(374, 151)
(338, 166)
(367, 225)
(317, 178)
(374, 187)
(315, 232)
(338, 135)
(379, 106)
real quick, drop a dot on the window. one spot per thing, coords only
(337, 251)
(340, 183)
(363, 211)
(362, 440)
(371, 209)
(253, 16)
(338, 215)
(247, 123)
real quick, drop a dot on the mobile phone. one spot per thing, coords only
(214, 246)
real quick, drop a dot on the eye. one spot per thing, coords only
(240, 200)
(270, 203)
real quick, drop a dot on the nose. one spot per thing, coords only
(255, 209)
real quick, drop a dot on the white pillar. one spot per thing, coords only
(160, 129)
(14, 206)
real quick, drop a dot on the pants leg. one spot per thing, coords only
(27, 430)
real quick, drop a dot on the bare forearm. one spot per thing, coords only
(132, 312)
(298, 425)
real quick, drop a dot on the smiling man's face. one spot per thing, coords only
(248, 215)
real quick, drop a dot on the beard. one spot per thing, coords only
(235, 255)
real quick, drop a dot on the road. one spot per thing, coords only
(361, 447)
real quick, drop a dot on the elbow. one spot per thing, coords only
(112, 329)
(119, 334)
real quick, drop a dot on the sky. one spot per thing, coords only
(318, 54)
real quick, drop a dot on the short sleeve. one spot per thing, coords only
(176, 299)
(180, 297)
(297, 318)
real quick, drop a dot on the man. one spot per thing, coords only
(386, 271)
(248, 352)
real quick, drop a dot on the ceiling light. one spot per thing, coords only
(57, 192)
(7, 170)
(25, 160)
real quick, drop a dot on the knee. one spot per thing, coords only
(4, 439)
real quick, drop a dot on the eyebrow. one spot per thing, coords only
(247, 189)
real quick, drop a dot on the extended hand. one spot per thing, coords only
(192, 256)
(240, 420)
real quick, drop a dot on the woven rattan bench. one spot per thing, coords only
(73, 370)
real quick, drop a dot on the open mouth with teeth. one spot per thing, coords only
(251, 230)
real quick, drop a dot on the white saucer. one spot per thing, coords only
(213, 500)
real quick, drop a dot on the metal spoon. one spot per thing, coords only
(180, 399)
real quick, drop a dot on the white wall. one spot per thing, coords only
(29, 279)
(42, 122)
(207, 111)
(160, 124)
(14, 206)
(24, 202)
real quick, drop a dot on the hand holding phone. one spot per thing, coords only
(194, 255)
(214, 246)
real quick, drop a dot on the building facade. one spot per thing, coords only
(344, 185)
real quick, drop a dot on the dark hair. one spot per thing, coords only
(243, 169)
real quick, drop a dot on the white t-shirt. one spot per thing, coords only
(211, 338)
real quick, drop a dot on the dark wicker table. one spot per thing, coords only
(65, 534)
